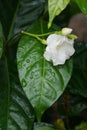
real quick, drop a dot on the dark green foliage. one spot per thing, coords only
(16, 15)
(15, 110)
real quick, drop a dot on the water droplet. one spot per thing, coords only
(28, 60)
(24, 65)
(23, 82)
(31, 76)
(34, 74)
(53, 74)
(34, 57)
(19, 65)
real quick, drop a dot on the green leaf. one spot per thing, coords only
(27, 12)
(55, 7)
(42, 82)
(16, 112)
(23, 14)
(82, 5)
(1, 40)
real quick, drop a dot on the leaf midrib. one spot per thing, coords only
(43, 72)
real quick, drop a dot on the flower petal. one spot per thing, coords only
(59, 49)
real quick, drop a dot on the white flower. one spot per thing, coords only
(59, 49)
(66, 31)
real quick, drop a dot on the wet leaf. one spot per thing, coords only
(15, 109)
(21, 16)
(42, 82)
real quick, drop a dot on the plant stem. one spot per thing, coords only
(40, 35)
(43, 41)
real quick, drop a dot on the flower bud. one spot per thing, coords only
(66, 31)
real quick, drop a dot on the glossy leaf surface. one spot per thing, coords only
(19, 18)
(28, 12)
(15, 110)
(42, 82)
(82, 5)
(55, 7)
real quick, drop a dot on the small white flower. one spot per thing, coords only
(59, 49)
(66, 31)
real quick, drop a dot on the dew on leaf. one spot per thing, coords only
(31, 76)
(50, 75)
(28, 60)
(23, 82)
(20, 65)
(34, 75)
